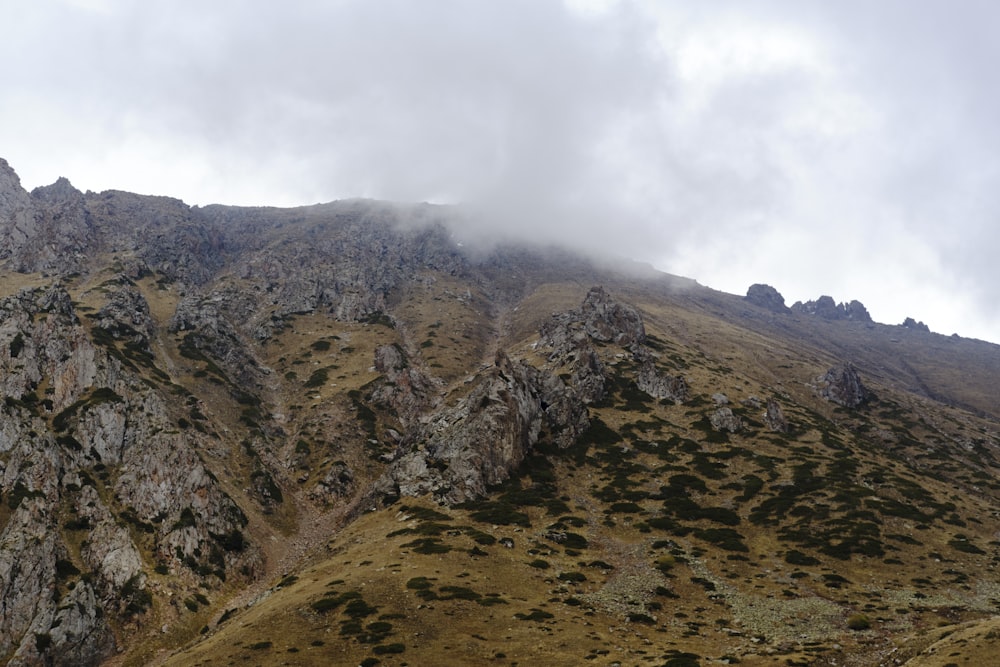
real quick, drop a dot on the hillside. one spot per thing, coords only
(334, 435)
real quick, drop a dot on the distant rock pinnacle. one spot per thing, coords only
(767, 297)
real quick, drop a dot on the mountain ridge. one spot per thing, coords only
(203, 407)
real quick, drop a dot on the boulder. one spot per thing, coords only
(842, 385)
(766, 297)
(774, 417)
(723, 419)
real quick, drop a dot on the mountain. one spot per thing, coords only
(335, 435)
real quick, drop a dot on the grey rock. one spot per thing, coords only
(826, 308)
(774, 417)
(913, 325)
(405, 389)
(723, 419)
(338, 482)
(842, 385)
(767, 297)
(662, 386)
(476, 443)
(609, 320)
(126, 315)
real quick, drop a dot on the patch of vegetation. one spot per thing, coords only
(16, 345)
(137, 599)
(427, 545)
(796, 557)
(97, 397)
(318, 378)
(20, 493)
(534, 615)
(961, 543)
(186, 519)
(43, 641)
(389, 649)
(858, 622)
(66, 569)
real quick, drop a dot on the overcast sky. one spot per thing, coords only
(848, 148)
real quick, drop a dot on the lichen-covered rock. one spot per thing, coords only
(723, 419)
(209, 334)
(476, 443)
(96, 417)
(126, 315)
(842, 385)
(774, 417)
(660, 385)
(405, 389)
(608, 320)
(338, 482)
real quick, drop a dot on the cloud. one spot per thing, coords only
(843, 148)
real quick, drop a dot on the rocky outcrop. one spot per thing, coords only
(723, 419)
(610, 321)
(476, 443)
(405, 390)
(76, 416)
(17, 221)
(343, 259)
(826, 308)
(338, 482)
(660, 385)
(766, 297)
(125, 316)
(60, 235)
(161, 235)
(913, 325)
(210, 335)
(842, 385)
(774, 417)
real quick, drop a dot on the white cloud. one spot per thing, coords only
(842, 148)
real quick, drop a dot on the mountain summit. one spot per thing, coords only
(334, 435)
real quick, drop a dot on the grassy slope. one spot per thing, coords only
(846, 521)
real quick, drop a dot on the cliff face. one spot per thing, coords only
(98, 482)
(196, 402)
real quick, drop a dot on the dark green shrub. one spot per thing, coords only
(318, 378)
(795, 557)
(388, 649)
(427, 545)
(858, 622)
(535, 615)
(42, 641)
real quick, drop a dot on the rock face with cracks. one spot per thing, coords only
(478, 442)
(74, 410)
